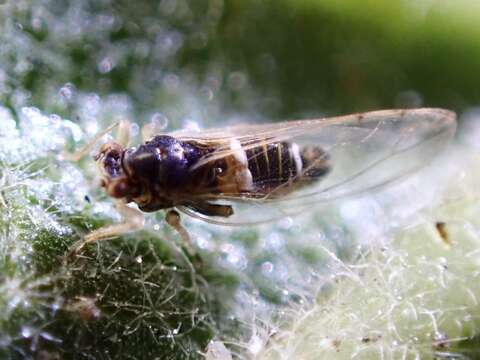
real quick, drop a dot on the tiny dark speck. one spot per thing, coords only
(87, 199)
(443, 232)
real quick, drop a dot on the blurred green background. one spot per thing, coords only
(270, 58)
(205, 62)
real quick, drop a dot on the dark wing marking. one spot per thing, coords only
(367, 151)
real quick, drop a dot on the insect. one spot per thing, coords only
(248, 174)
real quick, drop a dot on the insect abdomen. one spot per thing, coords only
(280, 163)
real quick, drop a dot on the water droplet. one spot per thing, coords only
(55, 118)
(171, 82)
(134, 129)
(206, 93)
(66, 91)
(105, 65)
(237, 80)
(27, 331)
(30, 111)
(267, 267)
(38, 24)
(159, 121)
(274, 240)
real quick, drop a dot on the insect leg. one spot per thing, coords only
(172, 218)
(133, 220)
(123, 136)
(210, 209)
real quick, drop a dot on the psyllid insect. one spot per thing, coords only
(230, 175)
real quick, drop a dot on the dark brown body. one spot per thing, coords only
(166, 172)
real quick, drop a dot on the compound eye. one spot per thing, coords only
(111, 164)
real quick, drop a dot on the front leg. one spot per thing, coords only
(133, 219)
(123, 137)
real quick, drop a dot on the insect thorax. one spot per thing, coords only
(162, 168)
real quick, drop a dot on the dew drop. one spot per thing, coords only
(105, 65)
(134, 129)
(171, 82)
(237, 80)
(37, 24)
(206, 93)
(267, 267)
(159, 121)
(27, 332)
(66, 91)
(30, 111)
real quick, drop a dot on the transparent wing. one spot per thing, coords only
(366, 152)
